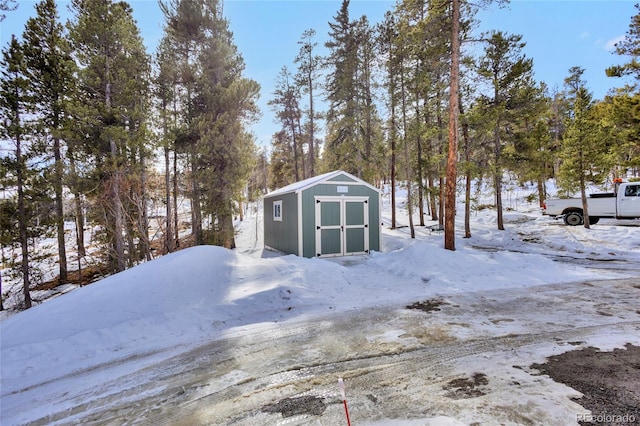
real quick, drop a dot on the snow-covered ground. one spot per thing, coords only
(181, 301)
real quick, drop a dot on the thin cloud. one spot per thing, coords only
(611, 44)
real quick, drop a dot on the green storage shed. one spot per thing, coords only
(334, 214)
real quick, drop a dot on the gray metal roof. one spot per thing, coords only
(304, 184)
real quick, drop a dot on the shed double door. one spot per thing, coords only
(342, 226)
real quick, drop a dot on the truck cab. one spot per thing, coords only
(629, 202)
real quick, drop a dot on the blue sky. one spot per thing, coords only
(559, 34)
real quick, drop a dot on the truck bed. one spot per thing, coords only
(598, 206)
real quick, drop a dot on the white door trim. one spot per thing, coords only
(318, 200)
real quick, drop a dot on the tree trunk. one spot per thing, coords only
(441, 199)
(1, 300)
(467, 159)
(302, 160)
(228, 230)
(392, 135)
(406, 158)
(22, 226)
(144, 225)
(117, 211)
(294, 140)
(393, 178)
(62, 251)
(433, 205)
(196, 210)
(77, 202)
(498, 189)
(583, 194)
(168, 231)
(467, 205)
(542, 195)
(312, 152)
(115, 196)
(420, 177)
(176, 227)
(497, 178)
(452, 160)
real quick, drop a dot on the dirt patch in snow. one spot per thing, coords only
(289, 407)
(609, 381)
(427, 305)
(467, 387)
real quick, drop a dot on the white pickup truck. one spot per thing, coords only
(624, 203)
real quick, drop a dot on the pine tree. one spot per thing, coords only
(286, 105)
(14, 102)
(280, 164)
(630, 47)
(113, 95)
(342, 149)
(506, 69)
(166, 84)
(186, 23)
(387, 35)
(307, 77)
(620, 115)
(226, 151)
(50, 70)
(529, 154)
(457, 34)
(215, 103)
(7, 6)
(623, 112)
(354, 132)
(583, 153)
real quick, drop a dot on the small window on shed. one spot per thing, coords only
(277, 211)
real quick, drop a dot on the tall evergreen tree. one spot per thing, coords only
(50, 71)
(340, 90)
(281, 164)
(286, 105)
(404, 99)
(342, 146)
(454, 111)
(166, 92)
(387, 35)
(620, 114)
(353, 127)
(215, 104)
(226, 148)
(308, 75)
(457, 34)
(507, 70)
(113, 91)
(531, 153)
(186, 25)
(369, 121)
(14, 103)
(582, 151)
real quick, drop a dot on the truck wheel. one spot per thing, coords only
(573, 219)
(593, 220)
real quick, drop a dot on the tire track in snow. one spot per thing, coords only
(229, 381)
